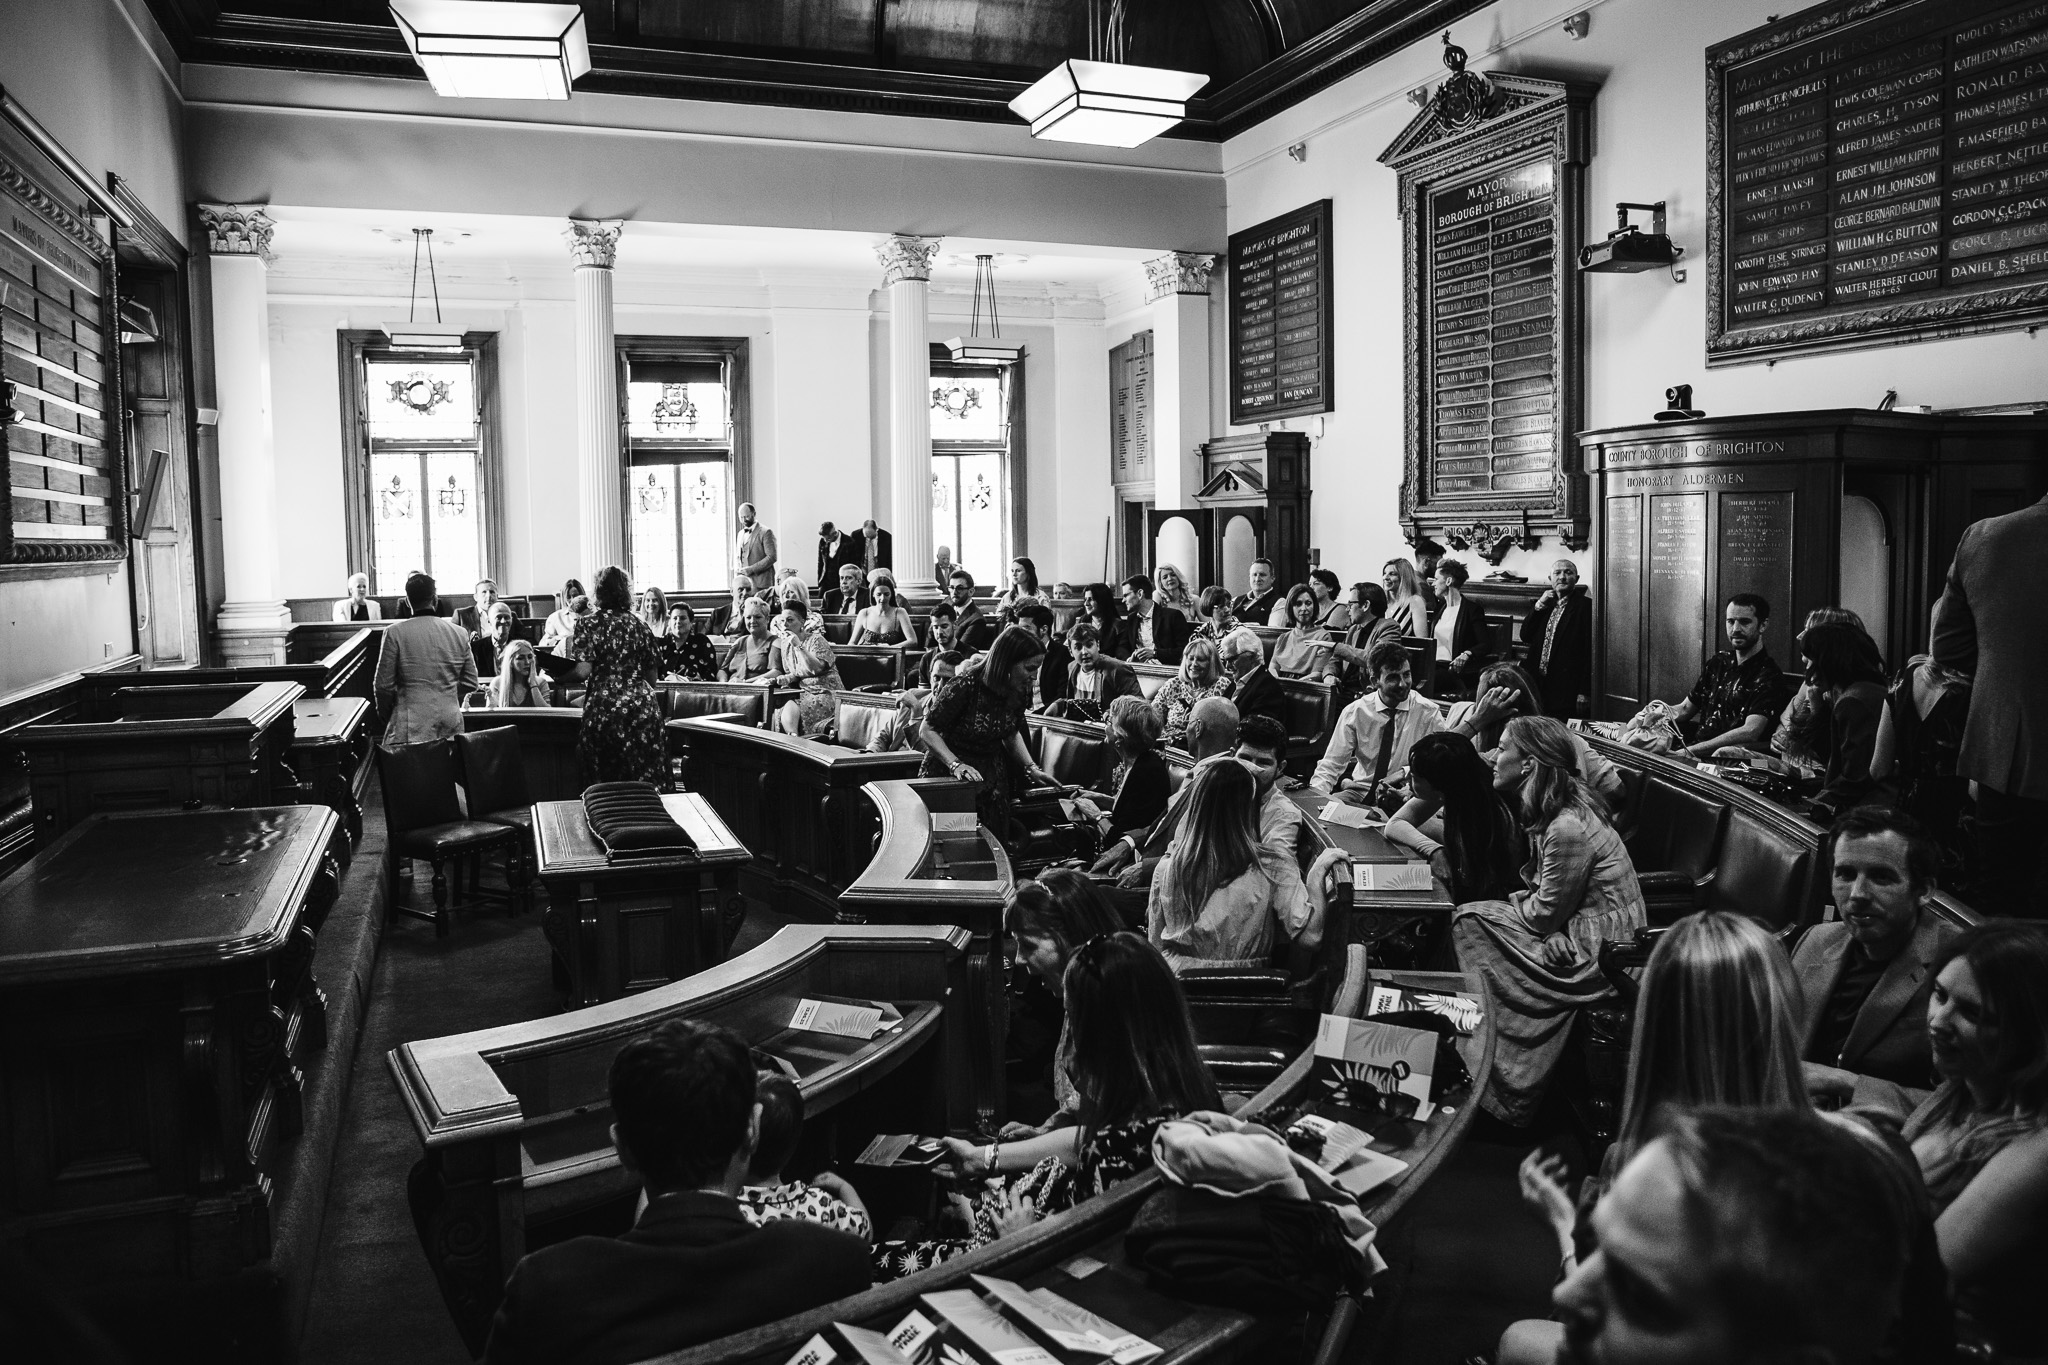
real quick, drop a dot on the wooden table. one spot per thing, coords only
(1378, 916)
(330, 752)
(637, 923)
(157, 1000)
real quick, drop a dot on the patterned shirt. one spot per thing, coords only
(1729, 691)
(806, 1203)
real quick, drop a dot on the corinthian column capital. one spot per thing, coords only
(904, 257)
(237, 229)
(1177, 272)
(594, 241)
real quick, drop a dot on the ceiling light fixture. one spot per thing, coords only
(991, 349)
(1102, 99)
(424, 340)
(496, 49)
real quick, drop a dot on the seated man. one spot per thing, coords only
(476, 619)
(692, 1269)
(1146, 633)
(1864, 979)
(851, 595)
(1376, 732)
(943, 638)
(1745, 1237)
(973, 628)
(1257, 692)
(1256, 608)
(1741, 689)
(501, 628)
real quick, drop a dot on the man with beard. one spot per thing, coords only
(1741, 689)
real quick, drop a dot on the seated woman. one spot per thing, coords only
(752, 655)
(1100, 609)
(1142, 787)
(1023, 586)
(1843, 665)
(1541, 946)
(1802, 735)
(1213, 618)
(1213, 903)
(358, 605)
(1505, 691)
(1200, 676)
(1135, 1065)
(651, 606)
(558, 635)
(1049, 919)
(1170, 589)
(885, 622)
(1981, 1138)
(1332, 613)
(1306, 650)
(686, 650)
(1459, 820)
(801, 657)
(974, 727)
(519, 681)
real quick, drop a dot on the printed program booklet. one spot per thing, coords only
(990, 1333)
(1461, 1009)
(1374, 1067)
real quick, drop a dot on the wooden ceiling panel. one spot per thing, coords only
(792, 26)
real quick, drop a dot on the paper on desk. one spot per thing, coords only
(1369, 1170)
(1402, 876)
(988, 1331)
(1337, 812)
(846, 1021)
(816, 1351)
(1125, 1347)
(913, 1334)
(1063, 1334)
(1341, 1141)
(871, 1346)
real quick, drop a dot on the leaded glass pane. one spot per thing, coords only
(454, 553)
(395, 519)
(651, 517)
(420, 400)
(982, 519)
(708, 526)
(676, 411)
(967, 407)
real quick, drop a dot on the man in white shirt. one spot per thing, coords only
(1376, 731)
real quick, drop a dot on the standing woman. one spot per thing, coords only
(1405, 605)
(621, 739)
(1541, 946)
(885, 622)
(1306, 650)
(974, 727)
(1023, 586)
(1460, 633)
(1331, 614)
(750, 656)
(1170, 589)
(686, 652)
(802, 658)
(558, 636)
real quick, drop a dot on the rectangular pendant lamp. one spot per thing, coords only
(424, 341)
(496, 49)
(1110, 104)
(988, 350)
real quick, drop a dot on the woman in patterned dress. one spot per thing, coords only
(1199, 677)
(621, 739)
(1213, 618)
(753, 653)
(686, 650)
(802, 658)
(1135, 1066)
(974, 726)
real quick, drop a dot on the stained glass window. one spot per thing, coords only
(420, 400)
(426, 510)
(679, 507)
(970, 485)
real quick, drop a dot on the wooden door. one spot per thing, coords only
(165, 558)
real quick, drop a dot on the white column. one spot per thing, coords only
(1177, 288)
(601, 540)
(251, 624)
(906, 274)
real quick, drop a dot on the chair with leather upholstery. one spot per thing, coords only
(1421, 662)
(1676, 846)
(859, 720)
(1152, 678)
(871, 668)
(1765, 875)
(1311, 715)
(424, 819)
(494, 780)
(838, 629)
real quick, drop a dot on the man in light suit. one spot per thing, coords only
(1864, 978)
(423, 672)
(754, 555)
(1993, 623)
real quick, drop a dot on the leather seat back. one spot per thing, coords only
(1676, 830)
(1075, 759)
(1152, 677)
(838, 629)
(868, 670)
(1764, 875)
(696, 699)
(857, 725)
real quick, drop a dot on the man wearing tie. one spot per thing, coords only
(755, 553)
(836, 551)
(1376, 731)
(871, 548)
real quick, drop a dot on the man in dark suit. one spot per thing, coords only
(692, 1269)
(1993, 623)
(973, 628)
(1558, 633)
(476, 619)
(1258, 692)
(851, 595)
(1147, 632)
(1864, 979)
(1255, 608)
(871, 547)
(502, 628)
(835, 551)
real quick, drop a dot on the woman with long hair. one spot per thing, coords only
(1099, 608)
(1505, 691)
(1213, 903)
(1406, 606)
(1332, 612)
(1306, 650)
(1048, 920)
(1170, 589)
(802, 658)
(974, 726)
(885, 622)
(1477, 842)
(520, 681)
(1200, 676)
(1541, 946)
(653, 603)
(1135, 1066)
(1801, 736)
(621, 738)
(558, 634)
(1023, 586)
(1844, 667)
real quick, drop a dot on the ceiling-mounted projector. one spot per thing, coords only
(1629, 249)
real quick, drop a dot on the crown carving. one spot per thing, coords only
(594, 241)
(237, 230)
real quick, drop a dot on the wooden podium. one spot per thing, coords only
(1847, 507)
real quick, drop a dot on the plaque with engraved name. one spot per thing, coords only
(1877, 169)
(1280, 333)
(1677, 586)
(1491, 212)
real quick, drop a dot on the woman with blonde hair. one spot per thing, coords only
(1201, 675)
(1406, 606)
(520, 681)
(1541, 946)
(885, 622)
(1170, 589)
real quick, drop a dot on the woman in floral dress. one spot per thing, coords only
(802, 658)
(974, 726)
(1199, 677)
(621, 739)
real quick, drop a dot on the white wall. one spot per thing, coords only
(1644, 333)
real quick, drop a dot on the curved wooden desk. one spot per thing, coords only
(515, 1120)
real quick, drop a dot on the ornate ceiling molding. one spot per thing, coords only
(594, 241)
(904, 257)
(237, 230)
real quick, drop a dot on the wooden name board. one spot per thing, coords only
(1491, 216)
(1280, 332)
(1877, 171)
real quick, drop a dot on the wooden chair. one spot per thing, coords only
(494, 779)
(424, 818)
